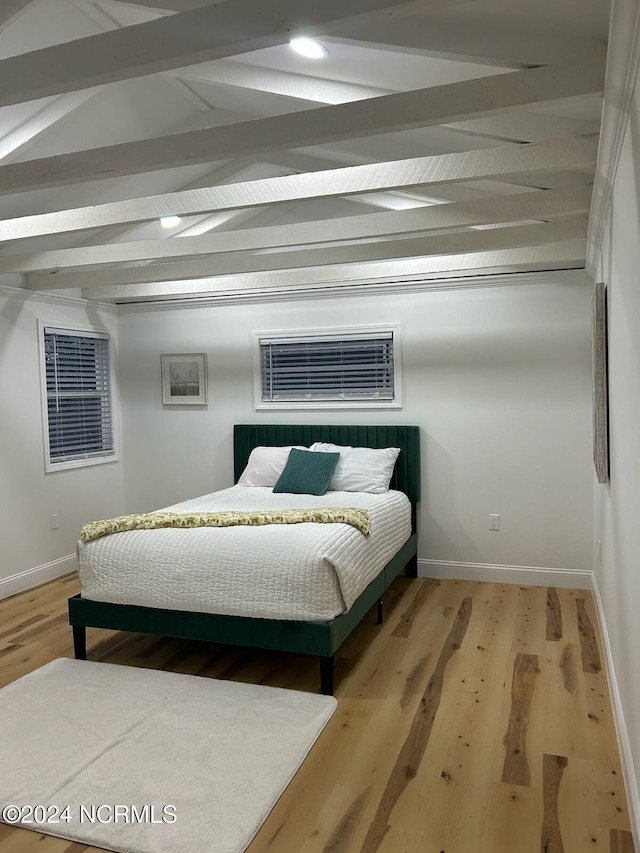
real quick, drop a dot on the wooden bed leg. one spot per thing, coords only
(80, 641)
(380, 611)
(326, 675)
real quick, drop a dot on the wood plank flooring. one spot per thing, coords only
(476, 719)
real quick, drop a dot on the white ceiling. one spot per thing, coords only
(437, 139)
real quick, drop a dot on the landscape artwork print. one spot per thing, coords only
(184, 379)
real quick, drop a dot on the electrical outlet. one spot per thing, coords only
(494, 521)
(54, 521)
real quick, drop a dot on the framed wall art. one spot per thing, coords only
(184, 379)
(600, 383)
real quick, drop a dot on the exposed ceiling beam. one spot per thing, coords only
(97, 14)
(202, 105)
(335, 278)
(274, 82)
(165, 5)
(295, 161)
(257, 216)
(470, 38)
(386, 114)
(298, 162)
(221, 174)
(491, 43)
(499, 209)
(490, 239)
(516, 126)
(200, 224)
(542, 180)
(521, 126)
(15, 142)
(210, 32)
(10, 9)
(565, 154)
(107, 22)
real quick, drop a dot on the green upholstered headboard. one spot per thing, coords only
(406, 476)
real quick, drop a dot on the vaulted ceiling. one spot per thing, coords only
(436, 139)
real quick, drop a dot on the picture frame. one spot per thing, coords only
(184, 379)
(600, 382)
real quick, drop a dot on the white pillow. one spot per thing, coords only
(265, 464)
(361, 469)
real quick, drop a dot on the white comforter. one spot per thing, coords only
(296, 571)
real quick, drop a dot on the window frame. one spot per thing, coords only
(50, 465)
(329, 332)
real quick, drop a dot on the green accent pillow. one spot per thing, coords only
(307, 473)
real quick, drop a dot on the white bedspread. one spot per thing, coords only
(298, 571)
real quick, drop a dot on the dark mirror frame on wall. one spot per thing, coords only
(600, 382)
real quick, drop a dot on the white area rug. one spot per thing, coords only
(207, 758)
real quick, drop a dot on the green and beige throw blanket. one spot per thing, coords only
(358, 518)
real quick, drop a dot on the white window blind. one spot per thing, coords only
(77, 373)
(358, 367)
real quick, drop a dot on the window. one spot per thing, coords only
(351, 368)
(79, 422)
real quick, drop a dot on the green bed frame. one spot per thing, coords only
(313, 638)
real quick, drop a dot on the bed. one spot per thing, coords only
(315, 631)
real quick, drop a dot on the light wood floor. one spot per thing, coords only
(477, 719)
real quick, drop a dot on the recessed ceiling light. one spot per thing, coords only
(169, 221)
(309, 48)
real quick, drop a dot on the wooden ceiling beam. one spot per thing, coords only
(210, 32)
(497, 209)
(478, 39)
(490, 239)
(436, 105)
(516, 126)
(387, 274)
(295, 161)
(519, 126)
(559, 155)
(164, 6)
(10, 9)
(16, 141)
(274, 82)
(473, 37)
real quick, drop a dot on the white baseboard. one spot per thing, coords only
(527, 575)
(624, 745)
(39, 574)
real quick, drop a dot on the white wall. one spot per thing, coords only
(28, 496)
(617, 504)
(498, 378)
